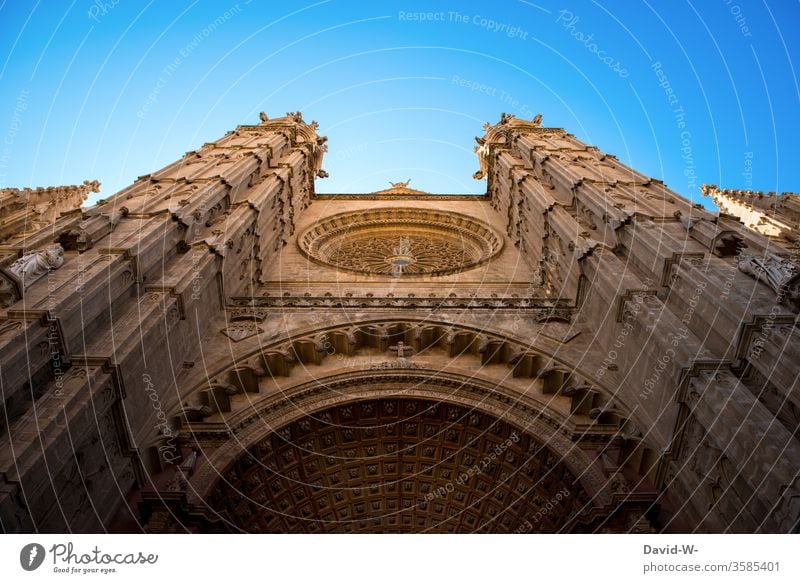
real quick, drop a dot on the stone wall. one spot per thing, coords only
(150, 340)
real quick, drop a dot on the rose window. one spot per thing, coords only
(401, 242)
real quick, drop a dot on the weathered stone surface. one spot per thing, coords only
(237, 353)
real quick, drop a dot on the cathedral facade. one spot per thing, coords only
(217, 348)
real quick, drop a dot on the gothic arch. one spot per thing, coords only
(272, 413)
(478, 347)
(494, 374)
(327, 351)
(600, 493)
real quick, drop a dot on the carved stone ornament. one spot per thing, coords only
(782, 275)
(32, 266)
(482, 151)
(238, 331)
(500, 134)
(400, 242)
(26, 270)
(10, 291)
(360, 440)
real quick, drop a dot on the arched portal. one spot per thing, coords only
(399, 465)
(408, 450)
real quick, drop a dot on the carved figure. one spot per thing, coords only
(401, 349)
(32, 266)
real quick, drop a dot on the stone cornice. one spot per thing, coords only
(713, 191)
(374, 196)
(54, 191)
(542, 310)
(761, 324)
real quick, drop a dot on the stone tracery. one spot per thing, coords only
(401, 242)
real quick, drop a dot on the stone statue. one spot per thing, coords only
(400, 184)
(34, 265)
(781, 274)
(263, 117)
(482, 150)
(319, 152)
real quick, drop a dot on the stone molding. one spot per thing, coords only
(280, 410)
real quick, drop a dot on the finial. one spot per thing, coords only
(92, 185)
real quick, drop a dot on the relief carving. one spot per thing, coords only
(26, 270)
(781, 274)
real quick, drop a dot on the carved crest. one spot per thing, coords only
(238, 331)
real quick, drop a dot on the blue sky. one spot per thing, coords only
(689, 92)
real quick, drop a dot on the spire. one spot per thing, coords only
(23, 211)
(499, 134)
(776, 216)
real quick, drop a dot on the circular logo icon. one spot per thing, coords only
(31, 556)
